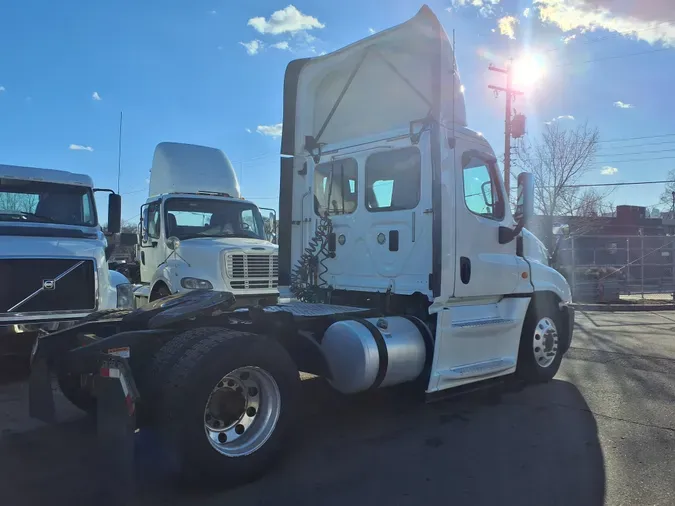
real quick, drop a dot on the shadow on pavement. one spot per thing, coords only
(535, 446)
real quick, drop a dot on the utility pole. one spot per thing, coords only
(119, 155)
(508, 131)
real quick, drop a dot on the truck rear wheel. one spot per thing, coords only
(152, 378)
(227, 404)
(540, 351)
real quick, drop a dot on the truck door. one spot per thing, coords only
(151, 231)
(376, 204)
(478, 334)
(484, 268)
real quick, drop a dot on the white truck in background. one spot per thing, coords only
(197, 232)
(53, 266)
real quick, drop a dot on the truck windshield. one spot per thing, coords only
(41, 202)
(202, 217)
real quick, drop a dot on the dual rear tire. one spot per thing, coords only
(223, 403)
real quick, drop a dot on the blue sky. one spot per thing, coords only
(211, 72)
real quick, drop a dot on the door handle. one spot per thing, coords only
(143, 257)
(465, 270)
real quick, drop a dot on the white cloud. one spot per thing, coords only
(78, 147)
(653, 22)
(623, 105)
(569, 38)
(526, 12)
(485, 7)
(288, 20)
(253, 47)
(270, 130)
(96, 96)
(248, 130)
(371, 31)
(2, 88)
(563, 117)
(282, 45)
(609, 171)
(507, 26)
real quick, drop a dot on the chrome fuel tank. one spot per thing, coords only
(373, 353)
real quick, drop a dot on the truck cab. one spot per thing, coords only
(53, 263)
(388, 198)
(197, 232)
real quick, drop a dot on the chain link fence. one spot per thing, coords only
(619, 268)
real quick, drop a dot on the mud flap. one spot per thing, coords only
(116, 396)
(40, 394)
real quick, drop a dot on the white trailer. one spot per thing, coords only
(53, 266)
(197, 232)
(396, 238)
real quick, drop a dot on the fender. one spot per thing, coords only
(117, 278)
(173, 270)
(547, 279)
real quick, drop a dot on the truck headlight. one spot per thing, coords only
(125, 296)
(196, 284)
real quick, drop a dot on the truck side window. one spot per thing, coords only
(393, 180)
(87, 214)
(153, 220)
(481, 188)
(336, 181)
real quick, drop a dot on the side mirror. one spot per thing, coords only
(525, 202)
(114, 213)
(273, 220)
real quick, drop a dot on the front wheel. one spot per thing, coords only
(540, 351)
(227, 404)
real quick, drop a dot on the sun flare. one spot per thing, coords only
(528, 70)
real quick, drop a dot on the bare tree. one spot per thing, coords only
(19, 202)
(667, 199)
(558, 161)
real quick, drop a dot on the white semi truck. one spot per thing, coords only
(406, 262)
(197, 232)
(53, 266)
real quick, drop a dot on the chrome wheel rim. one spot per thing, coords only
(545, 342)
(242, 411)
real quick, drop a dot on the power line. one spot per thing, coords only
(615, 57)
(638, 138)
(639, 160)
(135, 191)
(640, 152)
(633, 183)
(643, 144)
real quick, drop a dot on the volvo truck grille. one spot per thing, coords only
(32, 285)
(252, 270)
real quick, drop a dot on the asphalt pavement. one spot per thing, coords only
(603, 432)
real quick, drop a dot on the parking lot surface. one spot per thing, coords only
(603, 432)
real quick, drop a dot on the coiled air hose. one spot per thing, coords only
(313, 256)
